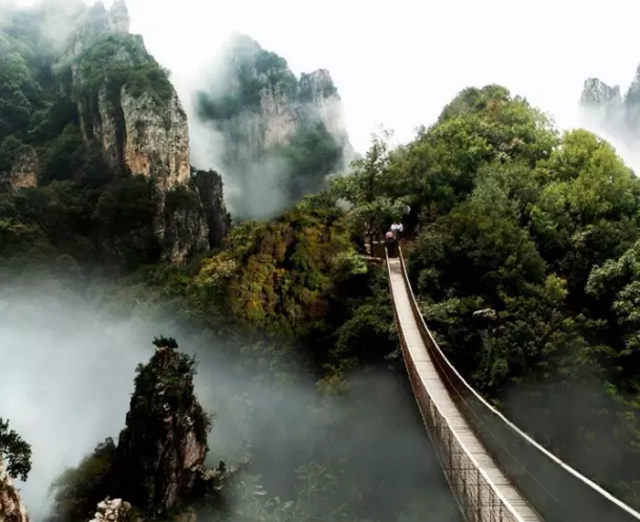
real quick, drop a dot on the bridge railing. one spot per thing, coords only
(476, 494)
(558, 492)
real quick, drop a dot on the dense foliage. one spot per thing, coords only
(312, 154)
(542, 229)
(77, 491)
(14, 448)
(134, 69)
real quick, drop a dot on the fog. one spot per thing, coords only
(68, 367)
(398, 64)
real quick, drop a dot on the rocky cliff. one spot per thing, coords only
(97, 88)
(162, 449)
(127, 104)
(603, 107)
(282, 135)
(11, 508)
(598, 94)
(158, 462)
(21, 170)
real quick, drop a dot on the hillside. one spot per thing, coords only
(103, 220)
(541, 229)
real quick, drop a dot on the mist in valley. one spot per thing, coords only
(68, 369)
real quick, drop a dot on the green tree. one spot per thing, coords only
(366, 189)
(15, 450)
(587, 211)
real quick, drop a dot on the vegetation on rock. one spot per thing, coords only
(77, 491)
(115, 61)
(162, 449)
(158, 463)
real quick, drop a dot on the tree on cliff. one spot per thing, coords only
(15, 450)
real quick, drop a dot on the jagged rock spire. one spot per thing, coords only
(597, 93)
(162, 450)
(11, 507)
(118, 19)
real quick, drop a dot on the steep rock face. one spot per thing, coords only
(127, 104)
(118, 19)
(11, 507)
(597, 93)
(282, 135)
(161, 451)
(317, 89)
(209, 187)
(262, 95)
(606, 109)
(23, 173)
(156, 143)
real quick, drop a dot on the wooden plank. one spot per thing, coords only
(431, 381)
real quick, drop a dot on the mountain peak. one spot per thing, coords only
(597, 93)
(118, 18)
(283, 134)
(317, 85)
(604, 108)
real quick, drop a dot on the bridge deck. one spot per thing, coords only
(441, 398)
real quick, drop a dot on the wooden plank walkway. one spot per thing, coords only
(445, 404)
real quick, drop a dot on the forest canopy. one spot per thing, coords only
(541, 227)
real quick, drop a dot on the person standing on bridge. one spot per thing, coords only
(397, 230)
(391, 243)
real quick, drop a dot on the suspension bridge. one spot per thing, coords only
(497, 473)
